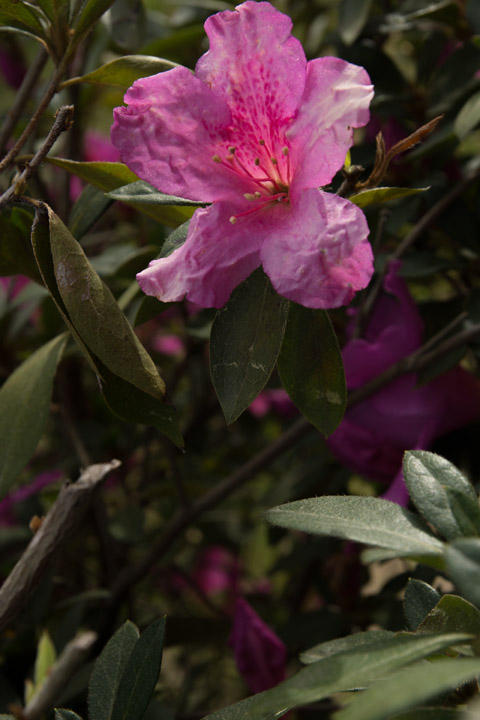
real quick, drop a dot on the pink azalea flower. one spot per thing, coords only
(401, 416)
(260, 655)
(273, 399)
(217, 571)
(255, 131)
(170, 345)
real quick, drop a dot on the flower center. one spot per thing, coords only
(268, 172)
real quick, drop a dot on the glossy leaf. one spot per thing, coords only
(345, 671)
(108, 671)
(24, 407)
(409, 687)
(380, 195)
(244, 344)
(452, 614)
(20, 15)
(442, 494)
(110, 175)
(468, 117)
(419, 599)
(353, 14)
(144, 193)
(463, 567)
(123, 71)
(357, 641)
(90, 12)
(89, 207)
(141, 674)
(311, 368)
(364, 519)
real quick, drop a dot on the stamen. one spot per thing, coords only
(257, 161)
(285, 150)
(274, 161)
(232, 149)
(217, 158)
(251, 196)
(257, 194)
(261, 142)
(232, 219)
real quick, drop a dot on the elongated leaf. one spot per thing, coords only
(24, 407)
(141, 674)
(380, 195)
(89, 207)
(57, 11)
(419, 599)
(90, 12)
(144, 193)
(358, 641)
(245, 341)
(311, 368)
(123, 71)
(452, 614)
(16, 256)
(365, 519)
(463, 566)
(353, 14)
(46, 656)
(92, 309)
(108, 670)
(63, 714)
(344, 671)
(409, 687)
(20, 15)
(468, 117)
(110, 175)
(442, 494)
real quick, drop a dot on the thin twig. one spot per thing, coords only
(72, 657)
(62, 122)
(49, 93)
(425, 222)
(59, 524)
(22, 97)
(185, 517)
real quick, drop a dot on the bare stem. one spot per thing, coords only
(22, 97)
(59, 524)
(62, 122)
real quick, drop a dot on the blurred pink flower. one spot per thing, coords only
(255, 131)
(14, 284)
(273, 400)
(11, 67)
(168, 344)
(401, 416)
(8, 504)
(259, 653)
(217, 571)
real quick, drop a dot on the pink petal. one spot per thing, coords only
(216, 257)
(260, 655)
(259, 69)
(336, 99)
(316, 252)
(170, 132)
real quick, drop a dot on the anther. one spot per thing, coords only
(261, 142)
(251, 196)
(257, 161)
(217, 158)
(232, 219)
(232, 149)
(274, 161)
(257, 194)
(285, 150)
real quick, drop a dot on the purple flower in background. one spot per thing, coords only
(272, 399)
(401, 416)
(217, 571)
(8, 504)
(255, 131)
(260, 654)
(11, 67)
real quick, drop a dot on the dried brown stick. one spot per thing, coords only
(60, 522)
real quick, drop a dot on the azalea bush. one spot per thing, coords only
(240, 392)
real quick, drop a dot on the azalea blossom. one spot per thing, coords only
(256, 131)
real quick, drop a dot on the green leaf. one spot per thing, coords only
(108, 670)
(20, 15)
(91, 307)
(89, 207)
(452, 614)
(144, 193)
(358, 641)
(46, 656)
(57, 11)
(345, 671)
(108, 176)
(380, 195)
(90, 12)
(24, 407)
(128, 24)
(409, 687)
(311, 368)
(463, 566)
(442, 494)
(353, 14)
(16, 256)
(431, 713)
(63, 714)
(468, 117)
(244, 344)
(419, 599)
(123, 71)
(364, 519)
(141, 674)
